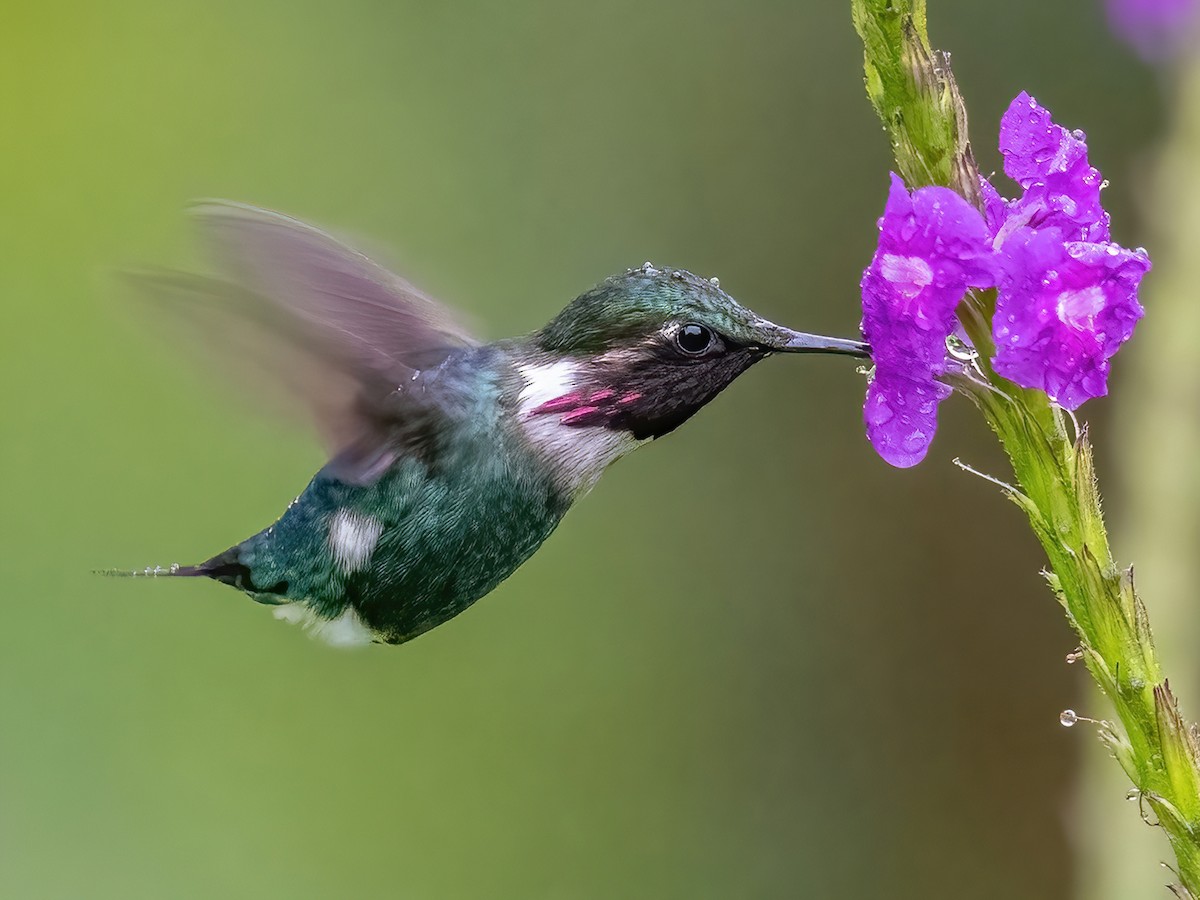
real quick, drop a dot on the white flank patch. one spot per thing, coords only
(545, 382)
(347, 630)
(352, 537)
(577, 454)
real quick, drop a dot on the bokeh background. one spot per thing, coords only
(755, 662)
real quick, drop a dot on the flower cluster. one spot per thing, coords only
(1066, 295)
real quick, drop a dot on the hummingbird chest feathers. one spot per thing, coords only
(390, 560)
(569, 422)
(513, 445)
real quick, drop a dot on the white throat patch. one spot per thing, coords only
(578, 455)
(547, 381)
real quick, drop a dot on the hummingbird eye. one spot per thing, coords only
(694, 339)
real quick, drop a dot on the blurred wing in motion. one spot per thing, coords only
(339, 331)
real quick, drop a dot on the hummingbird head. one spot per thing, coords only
(642, 352)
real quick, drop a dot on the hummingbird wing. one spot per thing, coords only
(340, 331)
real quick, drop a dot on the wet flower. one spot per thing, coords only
(1067, 296)
(1066, 299)
(1062, 190)
(1063, 309)
(1156, 29)
(933, 245)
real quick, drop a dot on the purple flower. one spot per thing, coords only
(1062, 190)
(1067, 296)
(933, 245)
(1156, 29)
(1063, 309)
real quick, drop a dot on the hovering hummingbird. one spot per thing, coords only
(451, 460)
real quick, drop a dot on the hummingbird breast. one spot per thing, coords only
(432, 535)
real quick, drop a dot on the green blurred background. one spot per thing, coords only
(756, 662)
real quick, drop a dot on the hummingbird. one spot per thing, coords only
(451, 460)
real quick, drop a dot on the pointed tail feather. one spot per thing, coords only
(225, 567)
(174, 570)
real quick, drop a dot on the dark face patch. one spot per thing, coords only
(652, 387)
(670, 391)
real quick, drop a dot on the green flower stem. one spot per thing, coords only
(914, 94)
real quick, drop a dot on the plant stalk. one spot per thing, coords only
(913, 91)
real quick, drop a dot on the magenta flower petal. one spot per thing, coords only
(901, 416)
(933, 246)
(1062, 189)
(1063, 310)
(1034, 147)
(995, 207)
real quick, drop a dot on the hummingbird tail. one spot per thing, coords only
(174, 570)
(223, 567)
(227, 568)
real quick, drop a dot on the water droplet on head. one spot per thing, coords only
(1074, 656)
(1067, 718)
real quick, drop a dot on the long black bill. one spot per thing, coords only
(783, 340)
